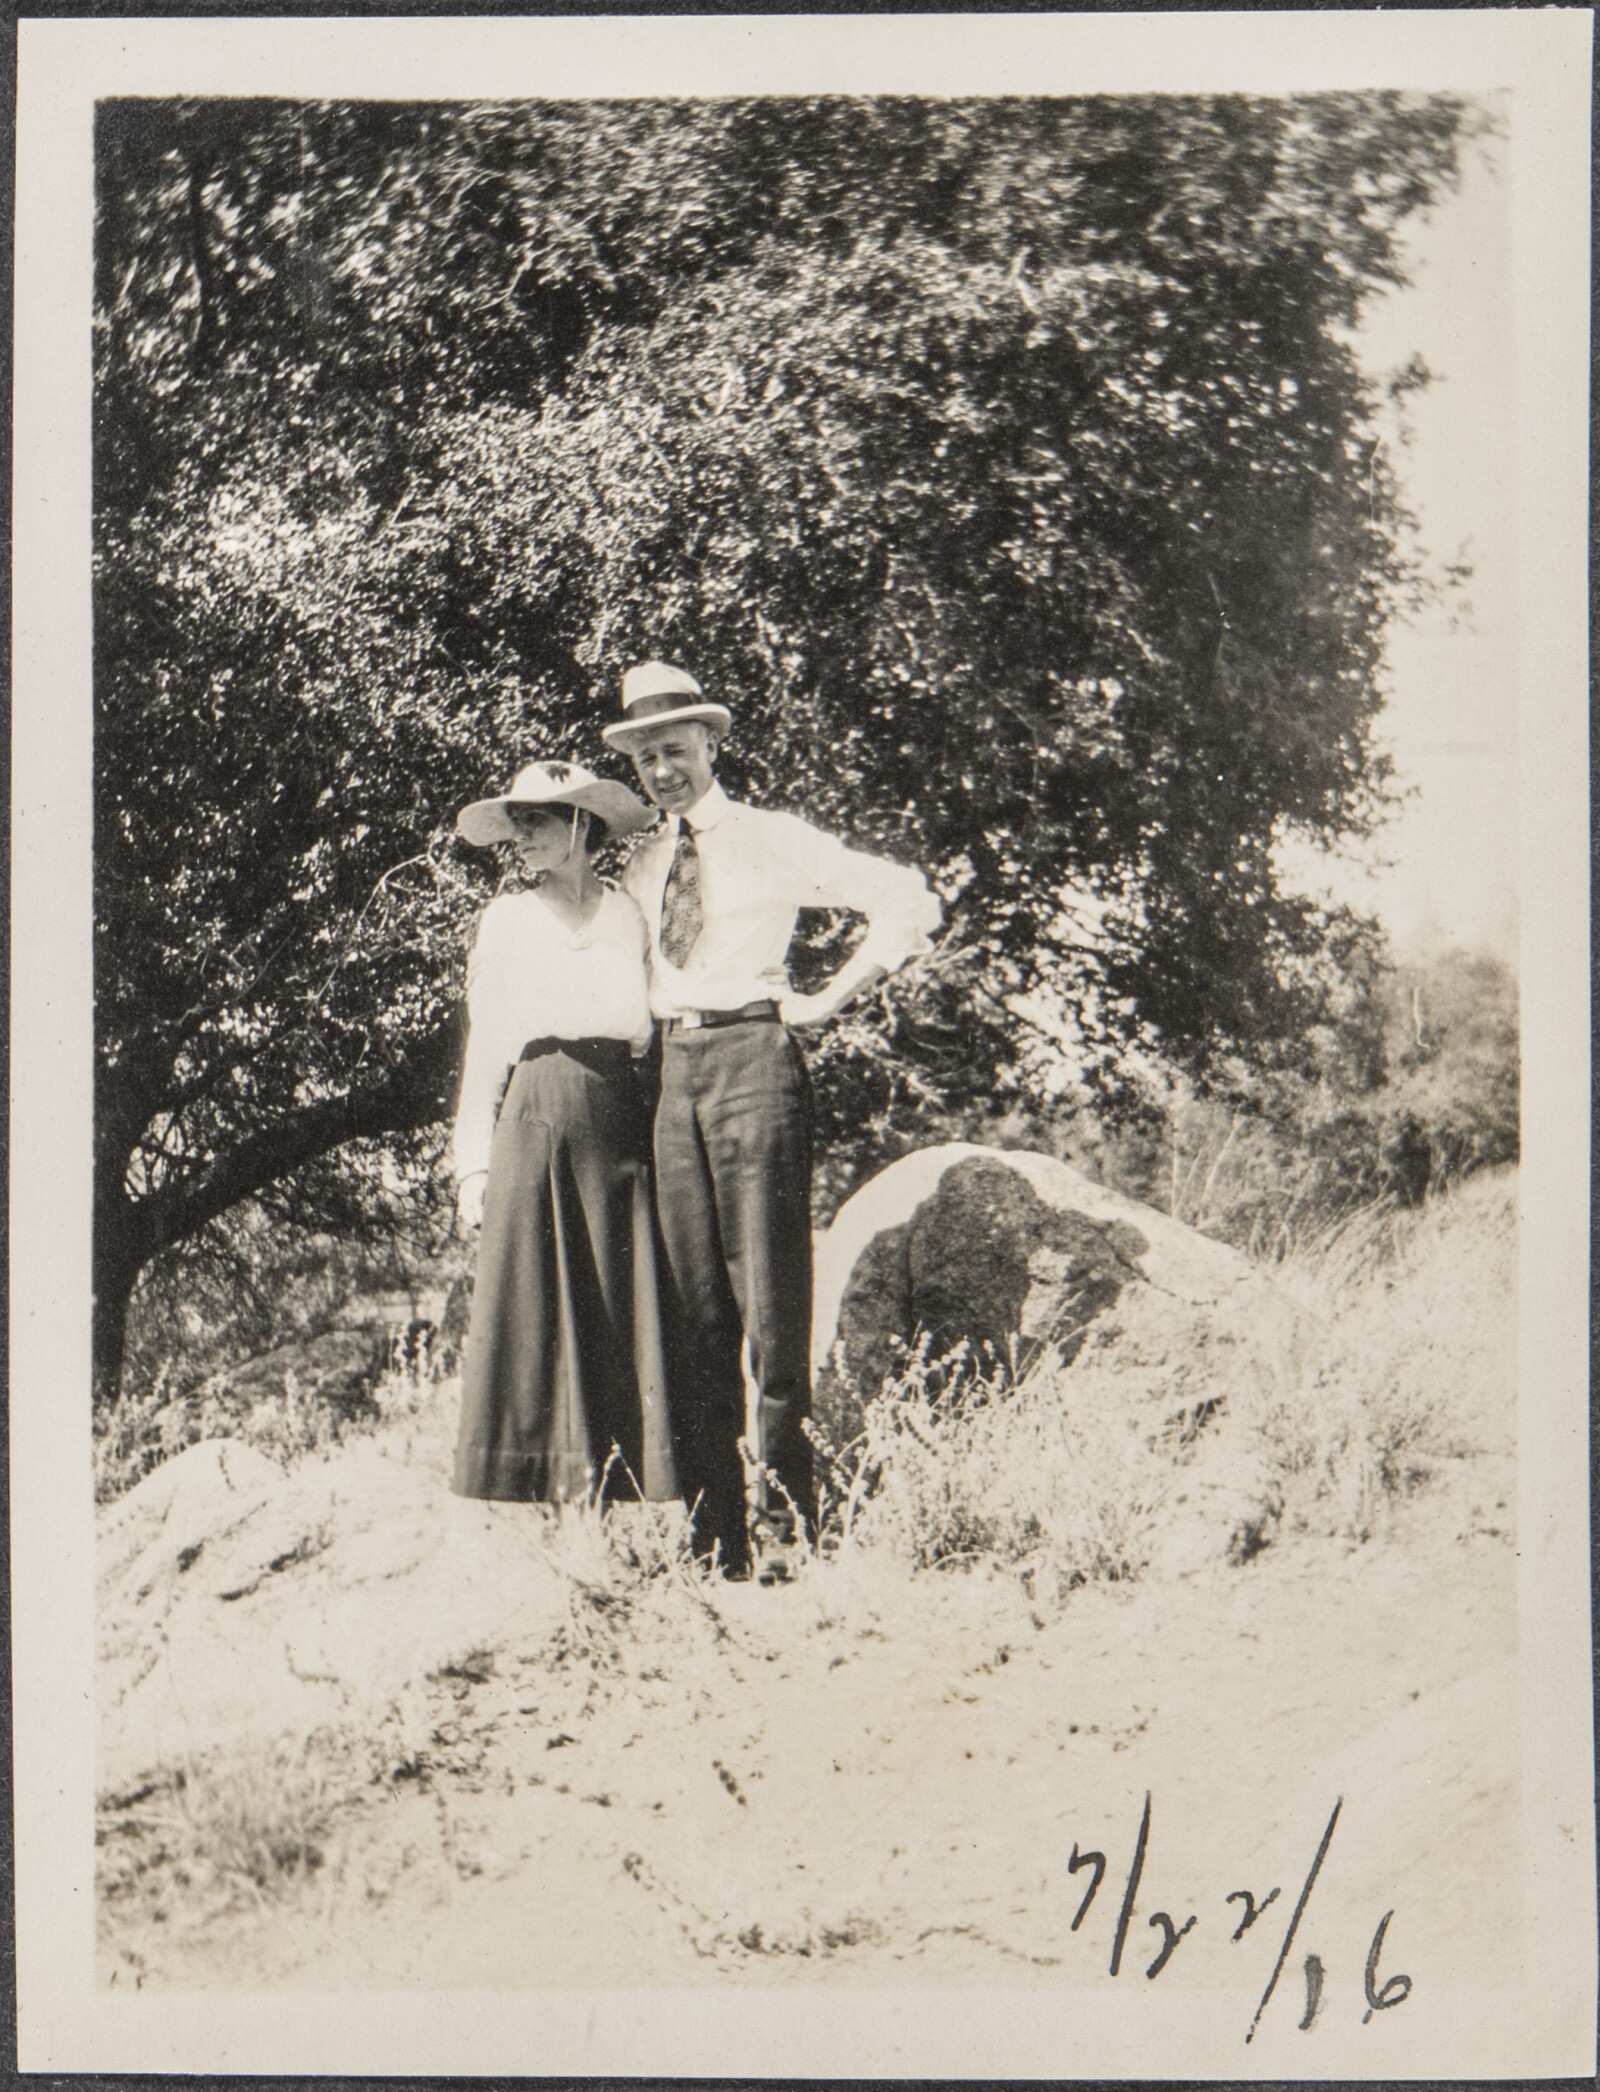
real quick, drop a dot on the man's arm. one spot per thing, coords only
(901, 914)
(806, 1012)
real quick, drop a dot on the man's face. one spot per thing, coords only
(674, 763)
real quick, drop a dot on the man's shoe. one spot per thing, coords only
(775, 1549)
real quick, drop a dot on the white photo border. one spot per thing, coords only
(1542, 60)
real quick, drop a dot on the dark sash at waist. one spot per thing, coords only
(609, 1057)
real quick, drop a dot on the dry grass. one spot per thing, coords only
(1409, 1370)
(1416, 1371)
(202, 1838)
(133, 1437)
(954, 1468)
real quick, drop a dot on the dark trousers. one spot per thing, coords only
(733, 1190)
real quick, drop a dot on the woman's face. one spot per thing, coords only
(545, 836)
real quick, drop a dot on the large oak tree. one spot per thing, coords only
(1005, 465)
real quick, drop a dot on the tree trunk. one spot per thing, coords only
(129, 1232)
(124, 1242)
(113, 1287)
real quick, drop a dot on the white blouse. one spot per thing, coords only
(530, 977)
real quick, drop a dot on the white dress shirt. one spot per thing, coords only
(757, 870)
(530, 977)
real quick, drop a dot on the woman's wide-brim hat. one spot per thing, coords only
(554, 784)
(657, 694)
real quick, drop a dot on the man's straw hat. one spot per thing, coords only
(657, 694)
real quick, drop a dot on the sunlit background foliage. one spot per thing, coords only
(1007, 468)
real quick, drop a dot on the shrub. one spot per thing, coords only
(288, 1416)
(282, 1268)
(240, 1332)
(1410, 1087)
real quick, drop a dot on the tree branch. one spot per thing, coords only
(200, 258)
(414, 1094)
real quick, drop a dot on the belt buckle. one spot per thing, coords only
(692, 1020)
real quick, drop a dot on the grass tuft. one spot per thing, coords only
(238, 1827)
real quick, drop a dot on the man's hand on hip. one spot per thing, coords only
(807, 1012)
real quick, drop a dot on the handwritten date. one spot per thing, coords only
(1380, 1997)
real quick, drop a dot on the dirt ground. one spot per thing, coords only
(877, 1779)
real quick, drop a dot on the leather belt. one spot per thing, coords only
(763, 1012)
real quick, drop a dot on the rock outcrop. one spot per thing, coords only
(238, 1602)
(1029, 1261)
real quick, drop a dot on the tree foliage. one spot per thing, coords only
(1005, 465)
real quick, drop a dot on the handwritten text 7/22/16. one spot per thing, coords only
(1380, 1996)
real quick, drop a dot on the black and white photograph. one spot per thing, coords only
(800, 1110)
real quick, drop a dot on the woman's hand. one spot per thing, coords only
(469, 1198)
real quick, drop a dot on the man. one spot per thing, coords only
(719, 889)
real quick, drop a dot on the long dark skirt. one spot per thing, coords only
(564, 1353)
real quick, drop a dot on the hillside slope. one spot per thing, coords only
(357, 1734)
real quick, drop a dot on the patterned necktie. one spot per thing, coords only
(681, 916)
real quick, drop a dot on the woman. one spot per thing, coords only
(551, 1148)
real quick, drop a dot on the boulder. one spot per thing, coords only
(1140, 1320)
(336, 1371)
(1001, 1248)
